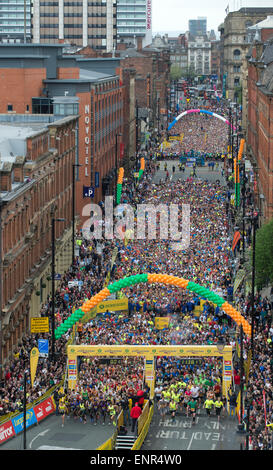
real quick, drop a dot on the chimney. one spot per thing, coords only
(139, 44)
(5, 176)
(121, 46)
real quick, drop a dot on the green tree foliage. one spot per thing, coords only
(175, 72)
(264, 255)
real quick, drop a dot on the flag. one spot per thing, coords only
(236, 238)
(34, 357)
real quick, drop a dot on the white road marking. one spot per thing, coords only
(43, 433)
(192, 436)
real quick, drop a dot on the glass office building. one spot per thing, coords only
(15, 21)
(198, 27)
(134, 19)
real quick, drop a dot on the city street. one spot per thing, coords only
(136, 225)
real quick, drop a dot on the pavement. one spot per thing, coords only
(201, 172)
(50, 435)
(181, 434)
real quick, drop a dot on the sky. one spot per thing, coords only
(173, 15)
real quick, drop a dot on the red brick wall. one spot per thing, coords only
(68, 73)
(27, 225)
(18, 86)
(260, 140)
(266, 34)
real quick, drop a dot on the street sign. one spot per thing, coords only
(88, 191)
(43, 347)
(40, 325)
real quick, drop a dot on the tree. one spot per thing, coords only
(264, 255)
(175, 72)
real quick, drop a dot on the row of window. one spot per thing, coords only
(73, 15)
(74, 36)
(77, 26)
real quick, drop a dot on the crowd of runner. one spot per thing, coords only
(103, 390)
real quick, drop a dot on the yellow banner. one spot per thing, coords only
(39, 325)
(241, 274)
(162, 322)
(112, 306)
(150, 352)
(34, 357)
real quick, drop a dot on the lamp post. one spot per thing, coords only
(25, 412)
(247, 405)
(53, 220)
(136, 126)
(116, 164)
(254, 228)
(74, 165)
(244, 204)
(240, 425)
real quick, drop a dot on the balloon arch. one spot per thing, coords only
(152, 279)
(203, 111)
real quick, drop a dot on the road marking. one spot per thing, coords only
(43, 433)
(56, 448)
(192, 436)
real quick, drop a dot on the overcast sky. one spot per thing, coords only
(173, 15)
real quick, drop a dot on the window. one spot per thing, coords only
(10, 107)
(42, 106)
(237, 54)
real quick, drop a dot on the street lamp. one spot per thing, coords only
(247, 405)
(74, 165)
(244, 203)
(53, 220)
(254, 228)
(240, 425)
(116, 160)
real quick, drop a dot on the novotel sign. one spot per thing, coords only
(149, 14)
(87, 128)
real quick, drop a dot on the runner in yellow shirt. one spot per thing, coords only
(208, 405)
(172, 408)
(62, 410)
(218, 405)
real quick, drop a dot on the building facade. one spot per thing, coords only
(79, 23)
(260, 123)
(199, 54)
(236, 46)
(36, 186)
(198, 27)
(215, 59)
(134, 19)
(48, 81)
(15, 21)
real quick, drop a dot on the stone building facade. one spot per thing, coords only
(235, 46)
(260, 123)
(36, 186)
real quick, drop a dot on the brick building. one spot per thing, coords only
(260, 123)
(215, 58)
(152, 68)
(37, 153)
(48, 80)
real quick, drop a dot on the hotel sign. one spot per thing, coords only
(149, 15)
